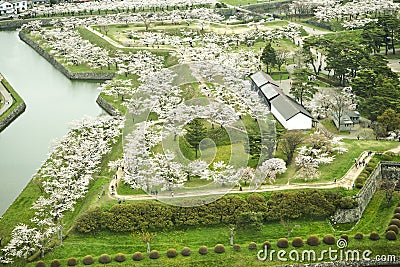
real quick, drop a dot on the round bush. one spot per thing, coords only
(219, 248)
(369, 168)
(203, 250)
(137, 256)
(185, 251)
(374, 236)
(393, 228)
(40, 264)
(329, 239)
(252, 246)
(154, 254)
(313, 240)
(359, 185)
(88, 260)
(345, 237)
(359, 236)
(397, 210)
(172, 253)
(72, 262)
(395, 222)
(282, 243)
(268, 244)
(297, 242)
(396, 216)
(55, 263)
(391, 235)
(236, 247)
(120, 257)
(104, 259)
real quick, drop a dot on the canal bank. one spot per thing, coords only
(13, 107)
(52, 102)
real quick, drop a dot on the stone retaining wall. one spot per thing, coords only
(363, 197)
(12, 116)
(60, 67)
(107, 106)
(11, 25)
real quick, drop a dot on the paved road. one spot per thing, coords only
(7, 96)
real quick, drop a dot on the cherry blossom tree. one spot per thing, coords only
(271, 167)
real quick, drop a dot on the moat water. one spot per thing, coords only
(52, 100)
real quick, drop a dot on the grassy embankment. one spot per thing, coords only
(17, 100)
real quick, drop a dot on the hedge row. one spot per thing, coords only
(227, 210)
(312, 240)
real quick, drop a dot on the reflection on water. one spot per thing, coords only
(52, 102)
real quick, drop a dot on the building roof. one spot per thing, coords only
(288, 107)
(269, 91)
(353, 113)
(260, 78)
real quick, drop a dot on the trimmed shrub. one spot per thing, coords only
(88, 260)
(395, 222)
(393, 228)
(104, 259)
(236, 247)
(185, 251)
(120, 257)
(203, 250)
(313, 240)
(396, 216)
(282, 243)
(369, 169)
(268, 244)
(297, 242)
(219, 248)
(154, 254)
(252, 246)
(397, 210)
(359, 236)
(345, 237)
(137, 256)
(347, 203)
(329, 239)
(40, 264)
(374, 236)
(172, 253)
(55, 263)
(72, 262)
(359, 185)
(391, 235)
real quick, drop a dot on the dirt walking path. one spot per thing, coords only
(347, 182)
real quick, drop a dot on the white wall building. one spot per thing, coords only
(6, 8)
(20, 5)
(286, 110)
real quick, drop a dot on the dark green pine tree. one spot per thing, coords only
(268, 57)
(195, 133)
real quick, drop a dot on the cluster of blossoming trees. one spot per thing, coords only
(63, 180)
(118, 6)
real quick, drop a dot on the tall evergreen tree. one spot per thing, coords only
(195, 133)
(268, 57)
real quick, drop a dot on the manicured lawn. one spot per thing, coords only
(17, 99)
(344, 162)
(375, 218)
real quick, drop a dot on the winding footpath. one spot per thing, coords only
(7, 98)
(346, 182)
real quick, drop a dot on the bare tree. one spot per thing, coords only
(289, 143)
(147, 237)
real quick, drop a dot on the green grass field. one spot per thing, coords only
(17, 99)
(78, 245)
